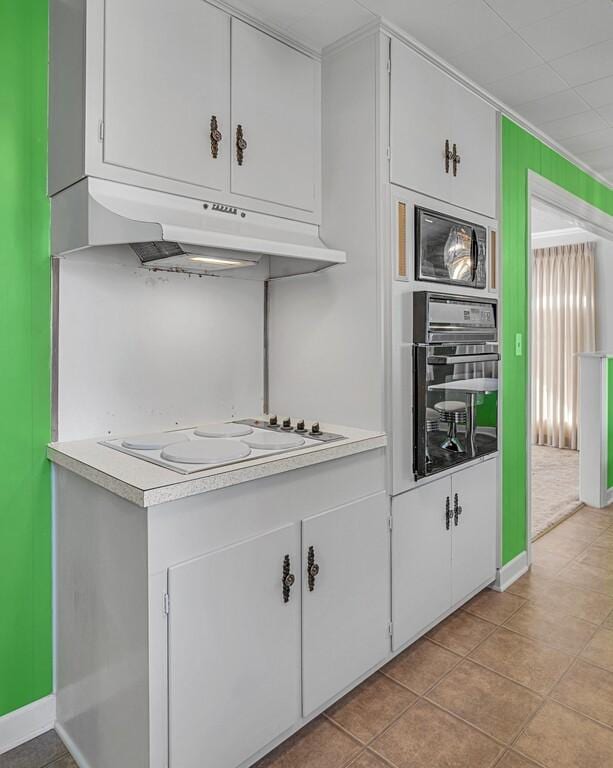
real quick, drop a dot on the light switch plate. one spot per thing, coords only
(518, 345)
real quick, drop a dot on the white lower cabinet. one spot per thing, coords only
(473, 556)
(443, 546)
(245, 630)
(234, 650)
(345, 588)
(421, 559)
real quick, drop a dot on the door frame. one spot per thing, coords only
(593, 220)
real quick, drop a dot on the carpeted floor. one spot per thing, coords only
(555, 487)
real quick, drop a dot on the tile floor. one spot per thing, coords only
(514, 680)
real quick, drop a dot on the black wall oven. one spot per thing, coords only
(455, 370)
(449, 250)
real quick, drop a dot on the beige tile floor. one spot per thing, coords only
(514, 680)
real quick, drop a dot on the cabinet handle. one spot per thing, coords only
(288, 579)
(457, 509)
(448, 155)
(456, 160)
(448, 513)
(216, 137)
(241, 144)
(312, 568)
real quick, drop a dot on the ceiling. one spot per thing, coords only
(549, 60)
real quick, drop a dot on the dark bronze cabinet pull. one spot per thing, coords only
(448, 155)
(288, 579)
(448, 513)
(241, 144)
(312, 568)
(456, 160)
(457, 509)
(216, 137)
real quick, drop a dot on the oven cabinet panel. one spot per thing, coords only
(162, 87)
(345, 605)
(234, 651)
(474, 534)
(275, 96)
(474, 131)
(429, 108)
(421, 559)
(419, 123)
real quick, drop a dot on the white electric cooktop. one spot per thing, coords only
(216, 445)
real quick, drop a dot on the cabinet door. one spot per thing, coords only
(234, 651)
(166, 73)
(345, 609)
(420, 122)
(421, 559)
(474, 132)
(474, 534)
(275, 100)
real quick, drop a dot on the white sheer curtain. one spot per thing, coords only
(563, 324)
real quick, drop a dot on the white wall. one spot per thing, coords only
(140, 350)
(326, 351)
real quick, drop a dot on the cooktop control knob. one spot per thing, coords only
(315, 430)
(287, 424)
(300, 426)
(273, 421)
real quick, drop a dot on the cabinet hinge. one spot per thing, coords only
(390, 522)
(388, 153)
(100, 130)
(390, 629)
(166, 603)
(389, 65)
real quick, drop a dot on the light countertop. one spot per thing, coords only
(146, 484)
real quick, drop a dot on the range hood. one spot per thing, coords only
(171, 232)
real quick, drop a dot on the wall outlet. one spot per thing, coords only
(518, 345)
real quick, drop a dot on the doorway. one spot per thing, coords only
(571, 272)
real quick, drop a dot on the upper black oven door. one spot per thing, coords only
(449, 250)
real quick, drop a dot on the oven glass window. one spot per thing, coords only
(450, 251)
(456, 405)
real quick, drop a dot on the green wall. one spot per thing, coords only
(522, 152)
(25, 504)
(610, 422)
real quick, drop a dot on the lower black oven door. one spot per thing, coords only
(456, 405)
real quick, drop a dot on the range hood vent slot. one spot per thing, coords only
(156, 250)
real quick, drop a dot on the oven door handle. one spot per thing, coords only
(456, 359)
(474, 255)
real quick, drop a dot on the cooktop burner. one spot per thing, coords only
(273, 441)
(208, 450)
(153, 442)
(222, 429)
(217, 444)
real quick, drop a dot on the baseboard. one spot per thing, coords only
(26, 723)
(510, 572)
(609, 497)
(75, 752)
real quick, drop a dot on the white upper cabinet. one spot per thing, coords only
(152, 93)
(419, 123)
(442, 136)
(274, 93)
(165, 79)
(474, 131)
